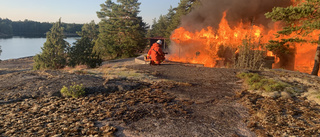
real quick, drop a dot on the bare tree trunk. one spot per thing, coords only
(316, 60)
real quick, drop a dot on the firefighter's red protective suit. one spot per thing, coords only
(156, 53)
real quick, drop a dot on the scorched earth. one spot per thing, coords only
(126, 99)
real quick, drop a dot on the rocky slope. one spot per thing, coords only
(125, 99)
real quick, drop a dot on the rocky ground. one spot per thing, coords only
(295, 115)
(126, 99)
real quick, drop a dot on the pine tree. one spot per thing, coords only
(170, 15)
(184, 7)
(122, 31)
(89, 30)
(53, 55)
(301, 19)
(82, 52)
(159, 27)
(166, 24)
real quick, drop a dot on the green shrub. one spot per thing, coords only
(275, 86)
(256, 86)
(257, 82)
(82, 54)
(254, 79)
(73, 91)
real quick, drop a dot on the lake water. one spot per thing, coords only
(18, 47)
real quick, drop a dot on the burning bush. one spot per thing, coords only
(246, 57)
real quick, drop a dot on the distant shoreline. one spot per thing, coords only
(35, 36)
(20, 58)
(17, 58)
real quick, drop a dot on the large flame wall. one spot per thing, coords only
(202, 46)
(227, 23)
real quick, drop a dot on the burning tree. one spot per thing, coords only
(302, 25)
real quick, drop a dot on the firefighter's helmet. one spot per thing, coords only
(159, 42)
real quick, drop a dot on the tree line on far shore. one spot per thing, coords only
(28, 28)
(121, 33)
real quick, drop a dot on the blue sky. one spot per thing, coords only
(74, 11)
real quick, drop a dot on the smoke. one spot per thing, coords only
(210, 12)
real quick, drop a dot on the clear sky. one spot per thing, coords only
(74, 11)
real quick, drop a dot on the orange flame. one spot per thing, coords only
(203, 46)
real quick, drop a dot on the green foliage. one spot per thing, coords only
(73, 91)
(71, 29)
(184, 7)
(122, 31)
(274, 86)
(159, 27)
(89, 30)
(53, 54)
(82, 52)
(301, 19)
(28, 28)
(257, 82)
(166, 24)
(254, 79)
(5, 28)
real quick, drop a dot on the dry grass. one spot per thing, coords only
(282, 116)
(313, 94)
(247, 57)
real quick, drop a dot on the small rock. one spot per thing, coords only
(57, 135)
(35, 108)
(285, 95)
(50, 125)
(20, 121)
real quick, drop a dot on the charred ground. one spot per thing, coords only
(125, 99)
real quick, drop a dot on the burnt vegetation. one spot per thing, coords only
(244, 99)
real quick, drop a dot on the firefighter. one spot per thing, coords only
(156, 53)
